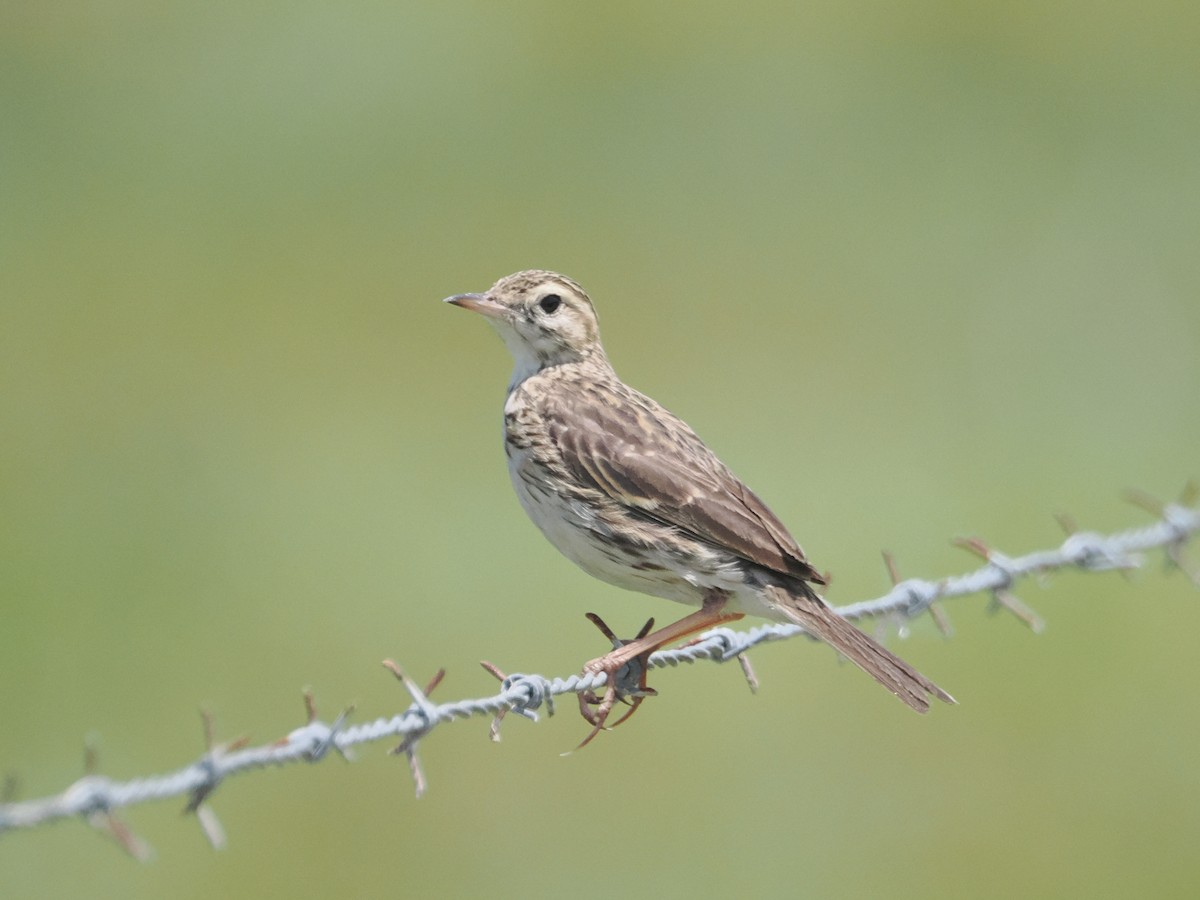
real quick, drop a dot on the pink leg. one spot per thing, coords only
(709, 615)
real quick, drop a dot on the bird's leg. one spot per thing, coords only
(710, 614)
(629, 681)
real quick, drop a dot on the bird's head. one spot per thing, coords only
(544, 318)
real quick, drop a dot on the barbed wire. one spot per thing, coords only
(95, 798)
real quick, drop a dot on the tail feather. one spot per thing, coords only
(811, 613)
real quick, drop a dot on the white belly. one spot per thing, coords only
(573, 528)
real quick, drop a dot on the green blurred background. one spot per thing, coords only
(915, 270)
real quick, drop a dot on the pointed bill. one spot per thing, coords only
(480, 303)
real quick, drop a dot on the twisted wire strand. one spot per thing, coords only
(95, 798)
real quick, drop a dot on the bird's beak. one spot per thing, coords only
(480, 303)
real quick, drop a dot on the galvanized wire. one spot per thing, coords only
(95, 798)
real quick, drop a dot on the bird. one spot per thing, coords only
(628, 492)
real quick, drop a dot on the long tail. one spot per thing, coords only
(810, 612)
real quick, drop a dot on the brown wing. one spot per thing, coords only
(626, 445)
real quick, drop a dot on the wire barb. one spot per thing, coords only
(1177, 517)
(209, 823)
(94, 798)
(425, 709)
(525, 694)
(91, 793)
(940, 619)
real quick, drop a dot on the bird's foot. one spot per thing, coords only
(625, 680)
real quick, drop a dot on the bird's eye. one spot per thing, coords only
(550, 303)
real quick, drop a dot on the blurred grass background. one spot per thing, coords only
(915, 270)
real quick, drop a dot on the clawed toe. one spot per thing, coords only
(625, 667)
(625, 680)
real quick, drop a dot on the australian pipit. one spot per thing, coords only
(630, 494)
